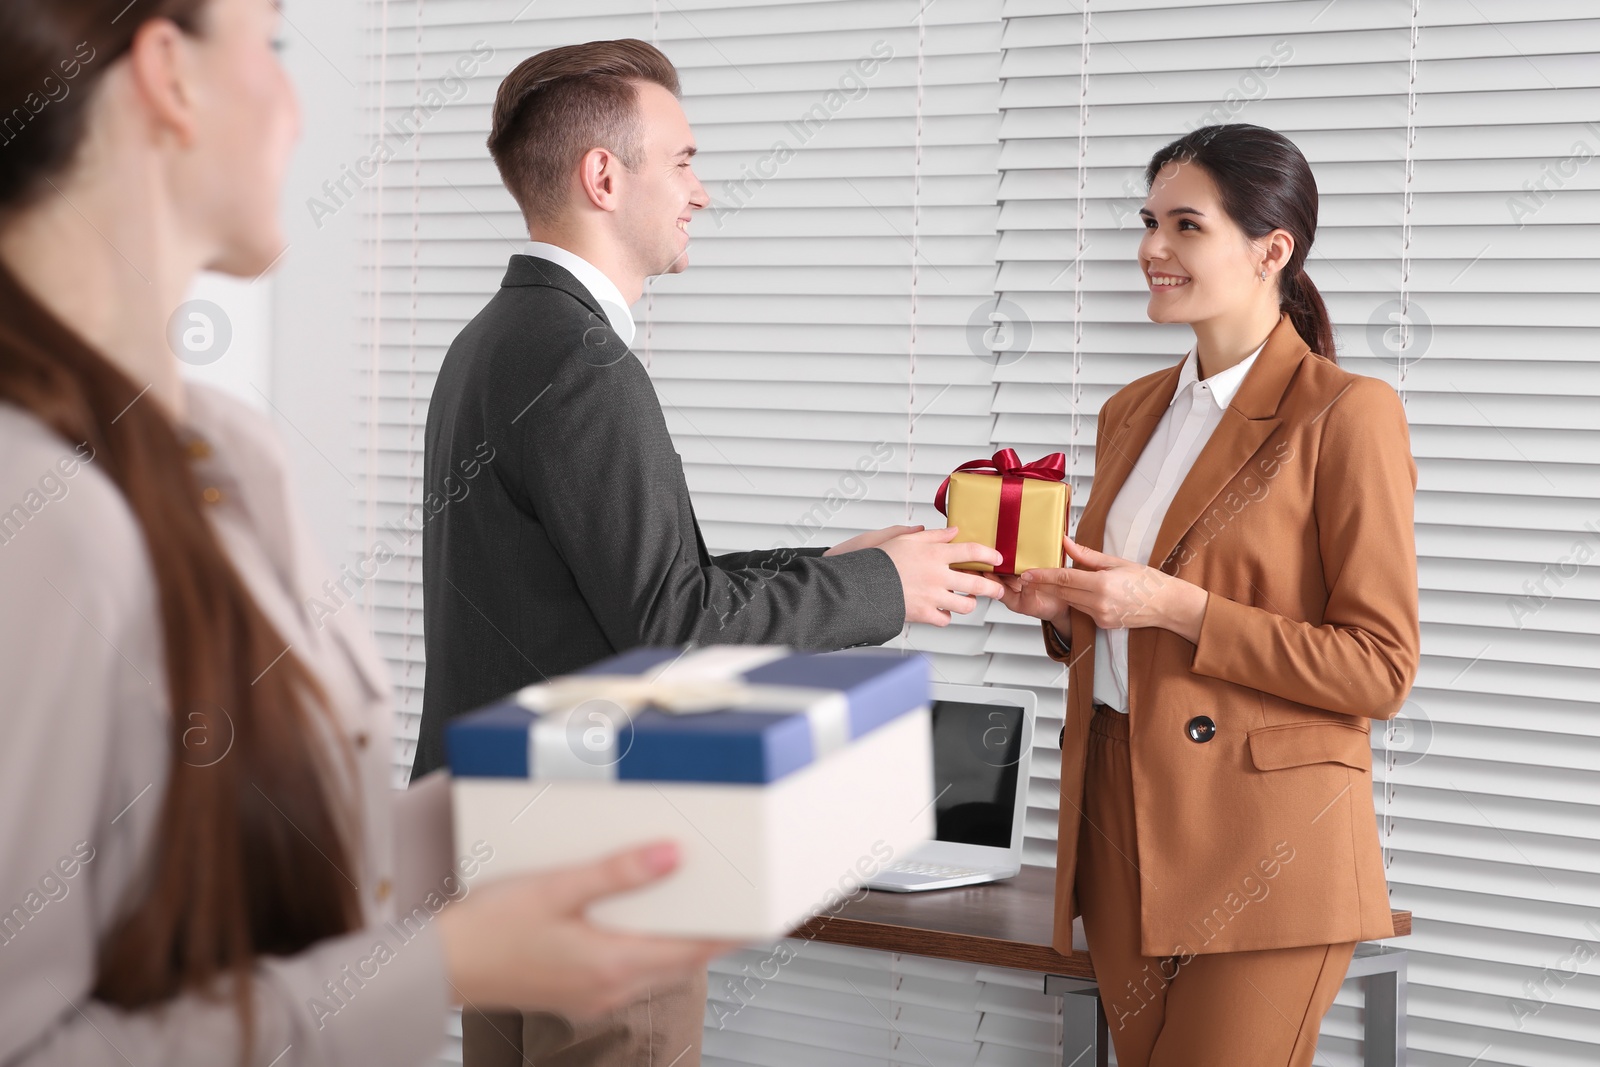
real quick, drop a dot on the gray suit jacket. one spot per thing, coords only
(558, 526)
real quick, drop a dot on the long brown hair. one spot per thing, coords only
(250, 853)
(1266, 184)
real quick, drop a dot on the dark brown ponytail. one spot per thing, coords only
(1299, 299)
(1266, 184)
(251, 857)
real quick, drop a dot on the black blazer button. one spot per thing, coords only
(1201, 729)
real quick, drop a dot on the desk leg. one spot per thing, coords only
(1085, 1041)
(1383, 1039)
(1382, 973)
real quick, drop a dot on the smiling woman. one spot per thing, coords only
(1262, 204)
(1231, 657)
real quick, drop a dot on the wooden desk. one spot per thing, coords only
(1002, 924)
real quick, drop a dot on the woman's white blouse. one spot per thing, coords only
(85, 764)
(1134, 520)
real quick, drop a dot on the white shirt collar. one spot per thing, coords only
(592, 278)
(1220, 387)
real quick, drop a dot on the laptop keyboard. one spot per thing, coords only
(933, 870)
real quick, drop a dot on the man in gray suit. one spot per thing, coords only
(565, 532)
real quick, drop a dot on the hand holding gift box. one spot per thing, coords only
(1016, 508)
(786, 778)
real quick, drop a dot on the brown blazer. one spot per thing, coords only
(1297, 520)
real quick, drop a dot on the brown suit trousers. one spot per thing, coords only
(663, 1030)
(1224, 1009)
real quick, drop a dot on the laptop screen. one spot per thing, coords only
(975, 752)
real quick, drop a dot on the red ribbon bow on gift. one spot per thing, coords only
(1012, 471)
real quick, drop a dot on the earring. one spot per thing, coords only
(1263, 274)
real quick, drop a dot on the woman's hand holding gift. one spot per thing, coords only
(1114, 592)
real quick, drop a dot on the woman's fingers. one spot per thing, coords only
(1087, 557)
(572, 889)
(1062, 577)
(1041, 601)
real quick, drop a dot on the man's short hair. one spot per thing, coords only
(557, 105)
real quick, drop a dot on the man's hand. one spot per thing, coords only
(870, 539)
(932, 590)
(1116, 593)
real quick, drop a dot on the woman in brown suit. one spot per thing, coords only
(1241, 604)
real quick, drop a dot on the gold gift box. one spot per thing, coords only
(974, 505)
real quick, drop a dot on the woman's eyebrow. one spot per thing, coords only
(1174, 211)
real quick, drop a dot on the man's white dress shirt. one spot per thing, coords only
(603, 289)
(1194, 411)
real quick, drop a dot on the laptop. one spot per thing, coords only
(982, 752)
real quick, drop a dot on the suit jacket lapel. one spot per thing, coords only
(1116, 455)
(1114, 458)
(1247, 422)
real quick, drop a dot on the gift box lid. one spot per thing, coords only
(722, 713)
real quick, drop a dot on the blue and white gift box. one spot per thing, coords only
(787, 779)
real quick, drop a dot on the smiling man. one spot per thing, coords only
(578, 539)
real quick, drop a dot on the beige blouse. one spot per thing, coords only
(86, 755)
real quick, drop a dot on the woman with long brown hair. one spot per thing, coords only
(1241, 605)
(197, 862)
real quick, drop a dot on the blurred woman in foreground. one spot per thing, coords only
(197, 862)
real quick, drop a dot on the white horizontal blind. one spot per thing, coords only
(439, 230)
(823, 323)
(1492, 806)
(1497, 805)
(805, 1003)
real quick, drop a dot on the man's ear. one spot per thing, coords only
(161, 67)
(599, 175)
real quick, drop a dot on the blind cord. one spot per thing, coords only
(1077, 284)
(375, 343)
(650, 282)
(409, 612)
(916, 219)
(1407, 182)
